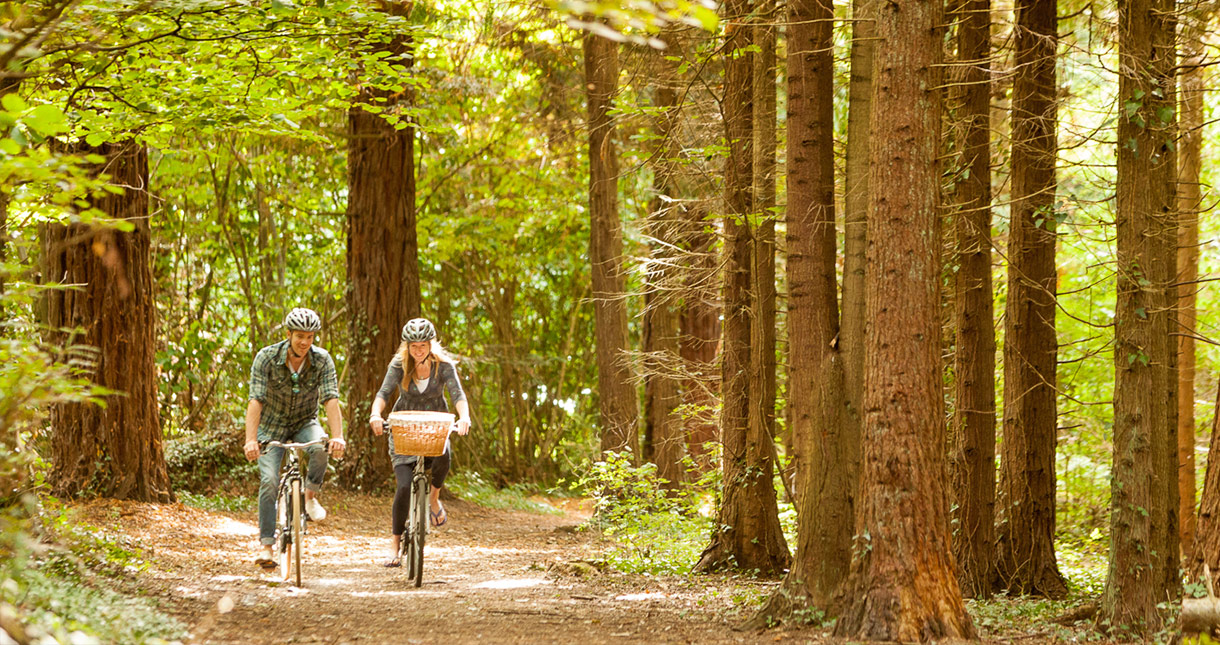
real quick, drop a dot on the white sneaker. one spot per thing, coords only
(315, 510)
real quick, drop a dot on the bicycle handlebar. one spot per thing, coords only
(278, 444)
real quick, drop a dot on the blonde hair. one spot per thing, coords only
(436, 353)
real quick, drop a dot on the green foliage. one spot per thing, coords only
(199, 463)
(218, 501)
(471, 487)
(654, 531)
(51, 586)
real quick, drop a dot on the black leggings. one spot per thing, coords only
(403, 474)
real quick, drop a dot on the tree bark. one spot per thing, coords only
(855, 214)
(826, 447)
(1025, 549)
(699, 336)
(1144, 505)
(1206, 549)
(663, 426)
(902, 584)
(382, 262)
(973, 458)
(116, 450)
(616, 390)
(1190, 203)
(748, 534)
(762, 379)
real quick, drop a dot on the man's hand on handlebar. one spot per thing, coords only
(336, 447)
(252, 450)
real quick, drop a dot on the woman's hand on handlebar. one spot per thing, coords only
(252, 450)
(463, 426)
(377, 424)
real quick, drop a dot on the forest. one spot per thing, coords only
(775, 319)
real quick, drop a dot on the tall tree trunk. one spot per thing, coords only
(7, 86)
(699, 335)
(855, 215)
(1206, 548)
(748, 534)
(616, 390)
(1190, 202)
(115, 450)
(1025, 548)
(663, 426)
(827, 449)
(382, 262)
(762, 375)
(1144, 505)
(973, 461)
(903, 583)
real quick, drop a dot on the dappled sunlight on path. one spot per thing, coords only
(489, 576)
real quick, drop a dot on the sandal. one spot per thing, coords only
(439, 518)
(392, 562)
(267, 564)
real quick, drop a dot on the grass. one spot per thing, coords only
(217, 501)
(518, 497)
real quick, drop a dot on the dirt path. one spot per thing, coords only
(490, 576)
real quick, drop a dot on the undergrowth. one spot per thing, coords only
(518, 497)
(58, 587)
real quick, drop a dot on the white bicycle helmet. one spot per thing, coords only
(418, 330)
(301, 319)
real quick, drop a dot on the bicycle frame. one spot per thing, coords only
(290, 506)
(411, 545)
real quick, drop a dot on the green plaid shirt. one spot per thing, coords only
(289, 405)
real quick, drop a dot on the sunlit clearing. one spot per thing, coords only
(382, 594)
(512, 583)
(227, 526)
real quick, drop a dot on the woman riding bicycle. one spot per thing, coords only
(418, 377)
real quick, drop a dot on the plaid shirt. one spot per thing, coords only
(286, 411)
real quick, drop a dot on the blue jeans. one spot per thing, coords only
(269, 476)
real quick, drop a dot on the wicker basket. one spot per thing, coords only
(420, 433)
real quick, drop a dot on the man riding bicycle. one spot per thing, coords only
(288, 380)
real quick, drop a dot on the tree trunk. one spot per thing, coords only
(762, 379)
(748, 535)
(616, 390)
(973, 460)
(1190, 203)
(382, 264)
(116, 450)
(663, 426)
(903, 582)
(699, 336)
(827, 450)
(1025, 548)
(1206, 548)
(855, 214)
(1144, 505)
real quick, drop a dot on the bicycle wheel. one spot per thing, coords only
(297, 518)
(283, 529)
(418, 529)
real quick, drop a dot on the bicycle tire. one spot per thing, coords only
(419, 529)
(283, 537)
(298, 527)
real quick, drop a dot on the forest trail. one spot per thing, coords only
(490, 576)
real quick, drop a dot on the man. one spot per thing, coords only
(288, 381)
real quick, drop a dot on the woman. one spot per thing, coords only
(418, 377)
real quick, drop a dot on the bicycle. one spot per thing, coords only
(411, 545)
(290, 506)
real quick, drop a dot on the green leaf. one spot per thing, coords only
(1142, 312)
(47, 120)
(96, 138)
(1165, 114)
(10, 146)
(13, 103)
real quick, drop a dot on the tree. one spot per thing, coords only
(748, 534)
(1190, 203)
(826, 447)
(1206, 546)
(382, 248)
(1144, 506)
(902, 584)
(113, 450)
(616, 390)
(973, 461)
(1025, 536)
(663, 427)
